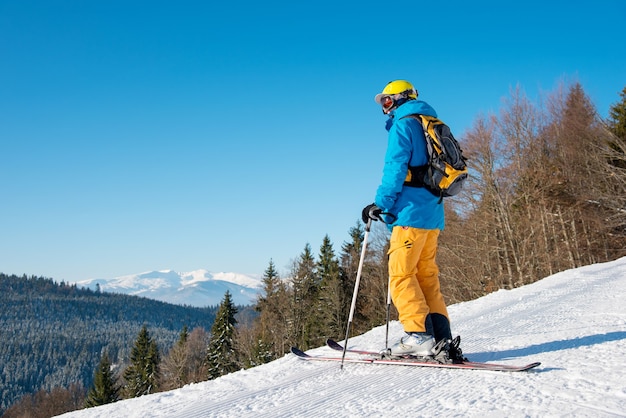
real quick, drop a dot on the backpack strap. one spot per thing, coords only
(416, 173)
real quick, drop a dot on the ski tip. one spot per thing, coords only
(522, 368)
(334, 344)
(298, 352)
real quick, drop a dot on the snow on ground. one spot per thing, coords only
(573, 322)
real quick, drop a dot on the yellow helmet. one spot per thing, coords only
(397, 87)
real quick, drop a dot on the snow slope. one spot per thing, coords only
(574, 322)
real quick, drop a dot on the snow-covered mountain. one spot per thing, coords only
(198, 288)
(573, 322)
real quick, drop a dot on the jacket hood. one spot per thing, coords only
(414, 106)
(409, 108)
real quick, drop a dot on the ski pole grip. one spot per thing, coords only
(390, 215)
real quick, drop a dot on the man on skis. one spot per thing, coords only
(419, 217)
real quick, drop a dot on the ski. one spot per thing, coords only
(336, 346)
(417, 363)
(374, 357)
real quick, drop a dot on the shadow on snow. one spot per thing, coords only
(548, 346)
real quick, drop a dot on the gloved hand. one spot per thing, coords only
(372, 212)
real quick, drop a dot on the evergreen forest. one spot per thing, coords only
(53, 335)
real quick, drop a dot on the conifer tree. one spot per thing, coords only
(142, 375)
(272, 305)
(104, 389)
(221, 353)
(614, 170)
(333, 294)
(262, 353)
(271, 284)
(617, 117)
(305, 289)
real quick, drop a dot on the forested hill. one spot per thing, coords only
(53, 334)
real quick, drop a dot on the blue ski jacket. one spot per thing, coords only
(413, 206)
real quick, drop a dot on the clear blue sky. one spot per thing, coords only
(148, 135)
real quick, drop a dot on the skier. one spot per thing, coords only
(419, 217)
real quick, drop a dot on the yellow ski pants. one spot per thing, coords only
(414, 276)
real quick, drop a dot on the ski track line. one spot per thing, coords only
(321, 399)
(226, 406)
(401, 391)
(285, 399)
(340, 399)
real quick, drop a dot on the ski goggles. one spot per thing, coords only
(387, 103)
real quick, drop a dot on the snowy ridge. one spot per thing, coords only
(198, 288)
(574, 322)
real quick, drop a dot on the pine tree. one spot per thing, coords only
(262, 353)
(221, 353)
(271, 285)
(104, 389)
(271, 324)
(615, 169)
(617, 117)
(143, 374)
(333, 294)
(305, 290)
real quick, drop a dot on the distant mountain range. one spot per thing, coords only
(198, 288)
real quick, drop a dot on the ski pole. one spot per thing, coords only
(356, 291)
